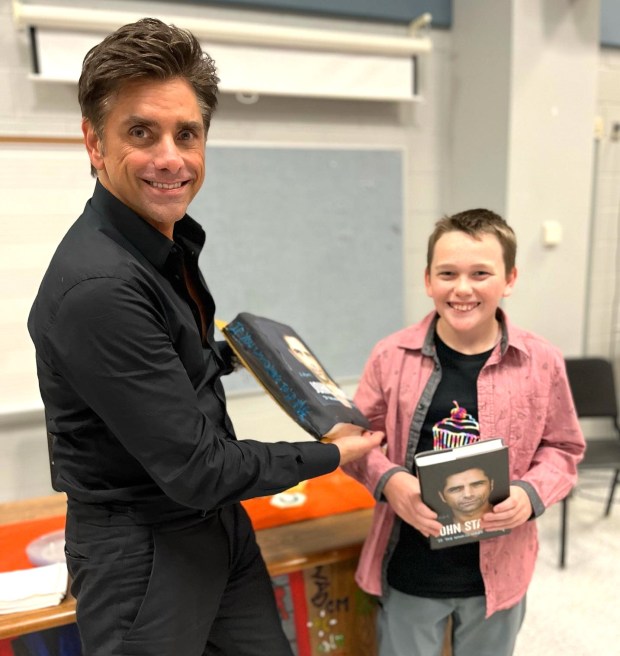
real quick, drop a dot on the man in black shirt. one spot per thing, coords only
(162, 556)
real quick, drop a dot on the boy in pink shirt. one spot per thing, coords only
(512, 384)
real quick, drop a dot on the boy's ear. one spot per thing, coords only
(427, 282)
(511, 278)
(94, 146)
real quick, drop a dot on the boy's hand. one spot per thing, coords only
(510, 513)
(403, 493)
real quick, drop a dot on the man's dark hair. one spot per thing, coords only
(145, 50)
(459, 468)
(476, 223)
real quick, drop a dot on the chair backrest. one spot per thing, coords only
(593, 386)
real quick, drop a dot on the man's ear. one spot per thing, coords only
(94, 146)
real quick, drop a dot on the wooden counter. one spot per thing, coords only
(286, 549)
(320, 552)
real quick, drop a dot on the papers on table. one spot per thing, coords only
(29, 589)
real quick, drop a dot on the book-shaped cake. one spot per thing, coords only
(290, 372)
(461, 485)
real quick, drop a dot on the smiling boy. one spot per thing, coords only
(510, 384)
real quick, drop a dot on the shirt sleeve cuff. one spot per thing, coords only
(378, 495)
(228, 357)
(537, 505)
(315, 459)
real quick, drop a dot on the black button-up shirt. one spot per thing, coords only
(131, 387)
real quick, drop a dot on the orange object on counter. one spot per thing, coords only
(16, 537)
(326, 495)
(330, 494)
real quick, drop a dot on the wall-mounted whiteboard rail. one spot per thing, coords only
(251, 58)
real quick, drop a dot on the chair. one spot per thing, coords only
(594, 393)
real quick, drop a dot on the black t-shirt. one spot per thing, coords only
(453, 572)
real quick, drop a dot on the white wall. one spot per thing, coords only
(525, 99)
(602, 330)
(555, 46)
(35, 212)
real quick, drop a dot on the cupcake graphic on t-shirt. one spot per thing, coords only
(459, 429)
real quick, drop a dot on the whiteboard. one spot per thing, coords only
(308, 237)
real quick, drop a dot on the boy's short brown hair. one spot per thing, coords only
(474, 223)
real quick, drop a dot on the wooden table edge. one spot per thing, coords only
(340, 545)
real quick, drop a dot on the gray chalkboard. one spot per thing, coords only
(310, 238)
(610, 23)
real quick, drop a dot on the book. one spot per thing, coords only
(291, 373)
(462, 484)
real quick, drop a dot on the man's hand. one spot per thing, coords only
(510, 513)
(353, 441)
(340, 430)
(403, 493)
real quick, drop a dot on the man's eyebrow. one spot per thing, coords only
(140, 120)
(136, 119)
(190, 125)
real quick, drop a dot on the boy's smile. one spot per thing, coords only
(467, 280)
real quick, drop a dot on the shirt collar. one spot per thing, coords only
(511, 337)
(155, 246)
(421, 336)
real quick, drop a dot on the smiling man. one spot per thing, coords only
(153, 159)
(163, 558)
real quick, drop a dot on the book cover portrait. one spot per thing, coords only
(461, 488)
(291, 373)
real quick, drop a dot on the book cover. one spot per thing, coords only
(291, 373)
(461, 485)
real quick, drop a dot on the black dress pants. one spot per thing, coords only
(196, 586)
